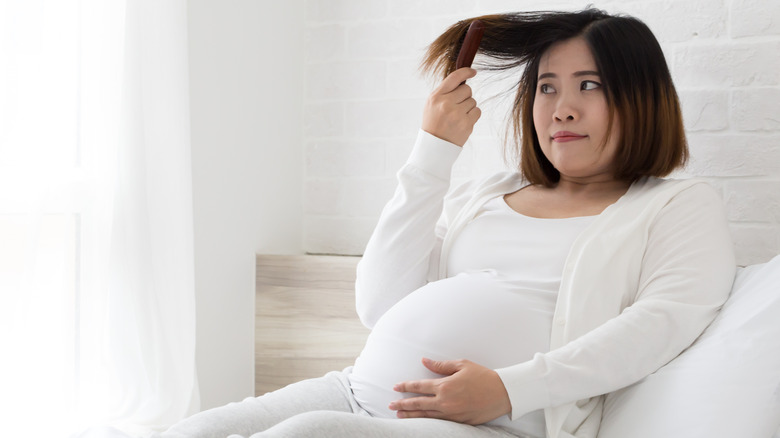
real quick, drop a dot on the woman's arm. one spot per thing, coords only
(406, 239)
(398, 255)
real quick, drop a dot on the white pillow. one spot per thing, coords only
(726, 385)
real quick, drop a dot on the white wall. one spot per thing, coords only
(364, 98)
(245, 92)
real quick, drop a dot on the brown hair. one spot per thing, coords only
(633, 69)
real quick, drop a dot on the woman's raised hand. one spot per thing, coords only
(450, 111)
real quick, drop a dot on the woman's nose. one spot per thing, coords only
(565, 110)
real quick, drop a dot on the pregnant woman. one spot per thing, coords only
(508, 307)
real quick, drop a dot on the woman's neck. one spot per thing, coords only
(590, 187)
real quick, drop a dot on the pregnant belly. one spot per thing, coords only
(476, 316)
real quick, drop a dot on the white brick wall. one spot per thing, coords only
(363, 101)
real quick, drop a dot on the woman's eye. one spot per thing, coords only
(589, 85)
(546, 89)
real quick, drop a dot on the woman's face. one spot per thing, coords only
(571, 113)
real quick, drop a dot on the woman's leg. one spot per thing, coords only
(256, 414)
(329, 424)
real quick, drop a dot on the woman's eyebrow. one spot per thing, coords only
(575, 74)
(586, 73)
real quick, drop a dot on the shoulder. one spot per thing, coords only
(500, 181)
(691, 203)
(648, 199)
(658, 185)
(664, 191)
(494, 183)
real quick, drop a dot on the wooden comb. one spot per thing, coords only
(468, 50)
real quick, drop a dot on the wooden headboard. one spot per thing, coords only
(305, 320)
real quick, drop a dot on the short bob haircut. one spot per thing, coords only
(634, 75)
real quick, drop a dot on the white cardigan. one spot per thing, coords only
(640, 283)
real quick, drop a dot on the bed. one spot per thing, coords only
(727, 385)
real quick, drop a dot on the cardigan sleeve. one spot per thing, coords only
(408, 236)
(687, 270)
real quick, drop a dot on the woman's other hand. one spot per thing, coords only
(450, 112)
(470, 394)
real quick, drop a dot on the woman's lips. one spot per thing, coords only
(564, 136)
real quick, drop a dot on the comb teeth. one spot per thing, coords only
(468, 50)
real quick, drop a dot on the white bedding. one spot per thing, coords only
(726, 385)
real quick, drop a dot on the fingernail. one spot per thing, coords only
(397, 387)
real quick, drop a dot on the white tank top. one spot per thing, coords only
(495, 309)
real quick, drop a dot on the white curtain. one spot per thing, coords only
(97, 306)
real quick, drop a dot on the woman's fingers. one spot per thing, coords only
(469, 104)
(461, 94)
(424, 387)
(475, 114)
(422, 403)
(449, 110)
(454, 80)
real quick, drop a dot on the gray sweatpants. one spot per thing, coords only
(322, 407)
